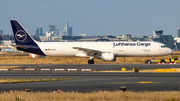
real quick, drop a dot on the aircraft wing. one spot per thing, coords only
(88, 50)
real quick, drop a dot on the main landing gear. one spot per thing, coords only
(91, 61)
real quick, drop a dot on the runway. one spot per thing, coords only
(94, 81)
(99, 67)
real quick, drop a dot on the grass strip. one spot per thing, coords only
(26, 80)
(9, 67)
(91, 96)
(16, 58)
(11, 59)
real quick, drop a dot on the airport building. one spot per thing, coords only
(166, 39)
(7, 42)
(141, 38)
(177, 40)
(6, 39)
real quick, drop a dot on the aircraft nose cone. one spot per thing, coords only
(169, 51)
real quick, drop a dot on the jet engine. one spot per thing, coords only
(108, 56)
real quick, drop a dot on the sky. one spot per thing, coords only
(93, 17)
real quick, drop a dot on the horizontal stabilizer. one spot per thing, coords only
(18, 46)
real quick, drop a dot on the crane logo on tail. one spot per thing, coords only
(20, 35)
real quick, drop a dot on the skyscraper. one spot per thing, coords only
(70, 31)
(39, 31)
(51, 28)
(1, 32)
(67, 29)
(54, 32)
(178, 32)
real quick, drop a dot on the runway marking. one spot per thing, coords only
(92, 79)
(140, 82)
(144, 82)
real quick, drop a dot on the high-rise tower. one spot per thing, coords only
(178, 32)
(1, 31)
(39, 31)
(53, 32)
(66, 29)
(70, 31)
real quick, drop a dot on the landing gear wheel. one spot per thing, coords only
(162, 60)
(148, 62)
(90, 61)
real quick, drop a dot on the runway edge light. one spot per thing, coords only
(59, 91)
(122, 88)
(27, 89)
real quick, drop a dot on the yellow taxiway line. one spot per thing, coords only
(141, 82)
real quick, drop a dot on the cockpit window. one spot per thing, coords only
(163, 46)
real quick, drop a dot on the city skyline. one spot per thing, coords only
(92, 17)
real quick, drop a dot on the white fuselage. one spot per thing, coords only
(120, 48)
(106, 51)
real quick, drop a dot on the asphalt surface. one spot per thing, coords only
(94, 81)
(100, 67)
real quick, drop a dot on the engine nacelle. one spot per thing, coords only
(108, 56)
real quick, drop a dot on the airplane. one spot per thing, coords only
(107, 51)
